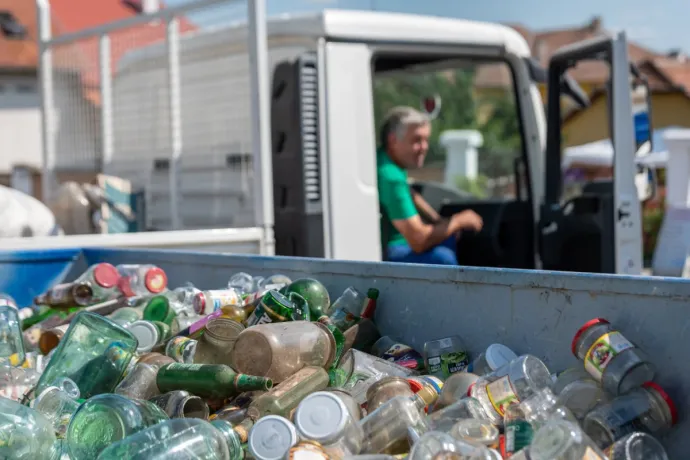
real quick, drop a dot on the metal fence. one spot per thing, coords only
(170, 101)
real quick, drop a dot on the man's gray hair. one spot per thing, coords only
(398, 120)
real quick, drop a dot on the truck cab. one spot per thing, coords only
(327, 103)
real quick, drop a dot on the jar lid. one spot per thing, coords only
(321, 417)
(272, 437)
(155, 280)
(158, 309)
(667, 399)
(106, 275)
(582, 330)
(498, 355)
(146, 334)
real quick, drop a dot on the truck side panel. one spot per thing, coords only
(535, 312)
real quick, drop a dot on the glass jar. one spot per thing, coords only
(216, 344)
(455, 388)
(613, 361)
(105, 419)
(389, 424)
(94, 353)
(178, 439)
(637, 446)
(323, 417)
(563, 440)
(513, 382)
(140, 382)
(579, 392)
(57, 406)
(141, 280)
(347, 399)
(518, 430)
(465, 408)
(25, 434)
(543, 406)
(386, 389)
(647, 409)
(438, 445)
(495, 356)
(479, 431)
(445, 356)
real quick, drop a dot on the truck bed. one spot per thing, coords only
(535, 312)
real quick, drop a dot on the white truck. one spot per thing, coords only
(329, 75)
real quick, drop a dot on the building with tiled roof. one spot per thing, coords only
(668, 76)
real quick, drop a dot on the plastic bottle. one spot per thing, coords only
(94, 353)
(105, 419)
(465, 408)
(25, 434)
(648, 409)
(208, 380)
(513, 382)
(181, 404)
(179, 439)
(278, 350)
(11, 342)
(445, 357)
(637, 446)
(563, 440)
(610, 358)
(282, 399)
(323, 417)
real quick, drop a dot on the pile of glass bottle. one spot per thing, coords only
(117, 366)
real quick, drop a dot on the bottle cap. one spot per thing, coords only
(667, 399)
(146, 334)
(155, 280)
(271, 438)
(106, 275)
(322, 417)
(158, 309)
(498, 355)
(582, 330)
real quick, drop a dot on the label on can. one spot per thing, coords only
(501, 394)
(518, 435)
(602, 352)
(269, 308)
(448, 363)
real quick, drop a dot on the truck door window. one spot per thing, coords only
(476, 96)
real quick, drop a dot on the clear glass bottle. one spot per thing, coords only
(141, 280)
(465, 408)
(543, 406)
(610, 358)
(278, 350)
(438, 445)
(105, 419)
(445, 356)
(11, 340)
(563, 440)
(206, 302)
(140, 382)
(271, 438)
(495, 356)
(181, 404)
(475, 430)
(515, 381)
(323, 417)
(647, 409)
(578, 391)
(455, 388)
(178, 439)
(57, 406)
(285, 397)
(637, 446)
(94, 353)
(103, 278)
(25, 434)
(389, 424)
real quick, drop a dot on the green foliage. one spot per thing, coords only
(476, 187)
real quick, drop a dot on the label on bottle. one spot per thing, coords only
(222, 298)
(501, 394)
(405, 356)
(258, 316)
(518, 435)
(449, 363)
(591, 455)
(602, 352)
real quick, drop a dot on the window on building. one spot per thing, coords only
(10, 26)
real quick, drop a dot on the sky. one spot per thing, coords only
(660, 25)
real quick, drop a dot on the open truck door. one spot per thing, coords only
(576, 235)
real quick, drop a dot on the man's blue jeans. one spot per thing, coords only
(443, 254)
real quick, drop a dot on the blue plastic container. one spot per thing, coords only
(26, 274)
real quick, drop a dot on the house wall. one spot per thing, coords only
(592, 124)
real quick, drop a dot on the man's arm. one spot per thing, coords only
(425, 208)
(421, 237)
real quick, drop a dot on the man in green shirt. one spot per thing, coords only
(404, 141)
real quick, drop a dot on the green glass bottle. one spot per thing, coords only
(208, 380)
(94, 353)
(106, 419)
(179, 438)
(314, 293)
